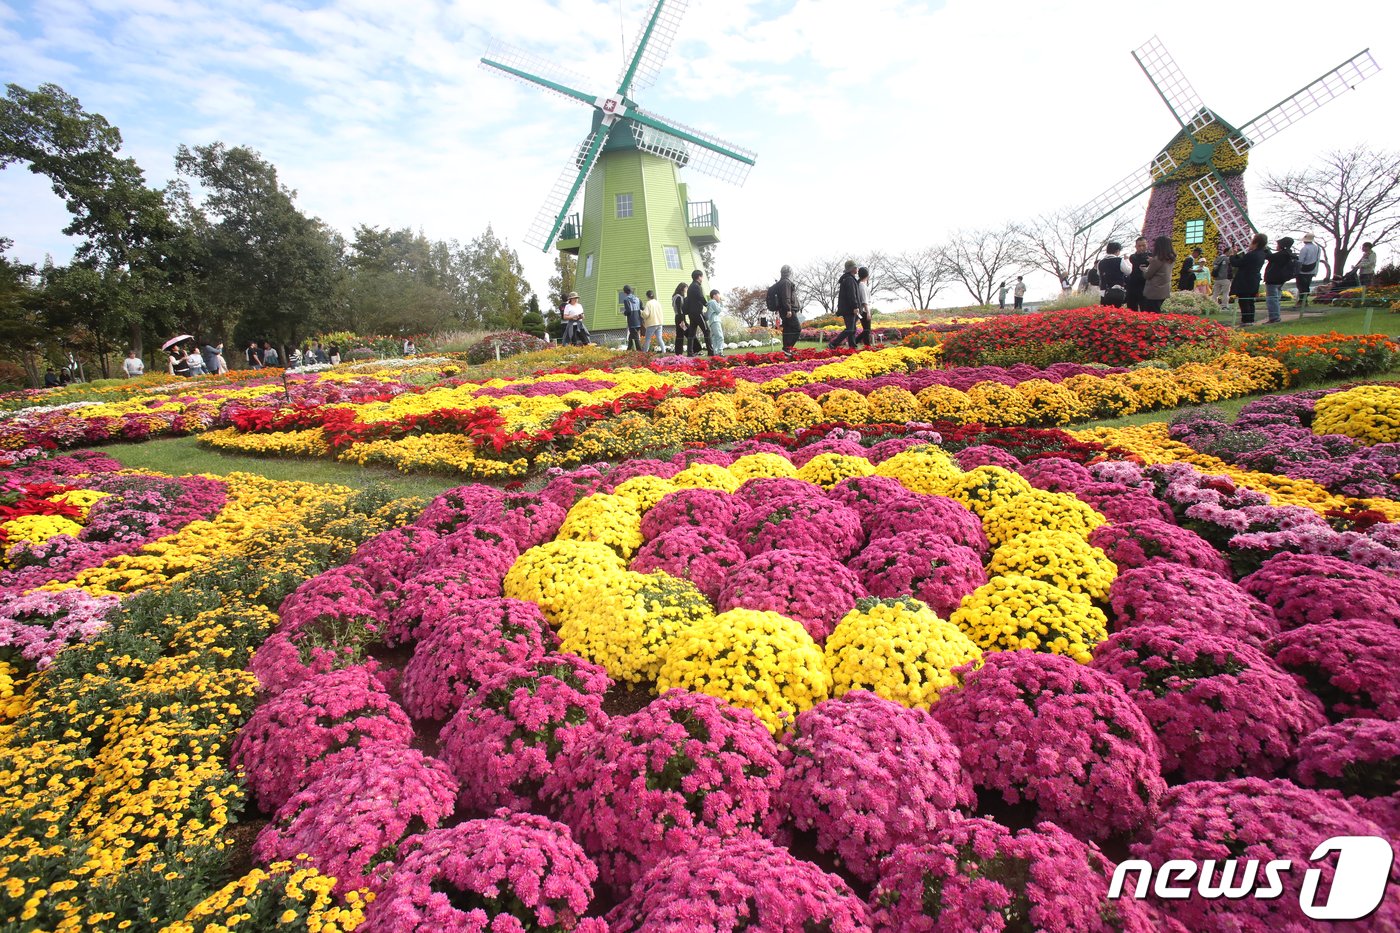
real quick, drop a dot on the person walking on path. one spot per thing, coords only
(678, 310)
(1366, 267)
(1248, 270)
(847, 306)
(1137, 267)
(572, 313)
(1115, 276)
(782, 301)
(253, 355)
(1019, 292)
(632, 310)
(1001, 297)
(714, 314)
(652, 320)
(695, 324)
(132, 365)
(1220, 277)
(1279, 270)
(863, 286)
(1157, 277)
(1309, 256)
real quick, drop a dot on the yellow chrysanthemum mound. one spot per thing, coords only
(998, 404)
(1370, 414)
(36, 529)
(1051, 404)
(760, 661)
(893, 405)
(82, 498)
(796, 411)
(844, 405)
(11, 692)
(826, 470)
(627, 628)
(706, 476)
(285, 895)
(645, 491)
(1059, 557)
(762, 466)
(1039, 510)
(756, 412)
(945, 403)
(984, 488)
(1016, 612)
(560, 574)
(898, 649)
(712, 417)
(920, 469)
(1104, 398)
(612, 520)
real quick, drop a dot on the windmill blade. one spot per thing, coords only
(516, 63)
(690, 148)
(1330, 86)
(1138, 183)
(1176, 92)
(547, 222)
(1220, 205)
(653, 43)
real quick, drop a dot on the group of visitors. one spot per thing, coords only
(186, 363)
(1018, 293)
(852, 305)
(697, 317)
(261, 354)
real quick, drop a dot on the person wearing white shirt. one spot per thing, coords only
(1019, 293)
(863, 290)
(132, 365)
(1309, 255)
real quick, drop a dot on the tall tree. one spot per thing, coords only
(23, 329)
(268, 260)
(1052, 240)
(125, 227)
(979, 259)
(562, 281)
(818, 282)
(496, 286)
(917, 276)
(400, 282)
(1351, 196)
(748, 304)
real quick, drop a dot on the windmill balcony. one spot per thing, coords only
(570, 234)
(702, 222)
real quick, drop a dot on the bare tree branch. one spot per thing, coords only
(817, 282)
(979, 259)
(1351, 196)
(917, 276)
(1053, 244)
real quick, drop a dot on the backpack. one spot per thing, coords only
(771, 299)
(1094, 275)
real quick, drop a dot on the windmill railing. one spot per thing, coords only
(701, 214)
(571, 228)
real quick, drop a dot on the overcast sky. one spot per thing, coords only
(878, 126)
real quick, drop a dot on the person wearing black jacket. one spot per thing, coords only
(1244, 285)
(785, 304)
(695, 316)
(847, 306)
(1186, 278)
(1138, 261)
(1281, 268)
(1117, 284)
(678, 310)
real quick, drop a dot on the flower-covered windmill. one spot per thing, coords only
(637, 226)
(1197, 180)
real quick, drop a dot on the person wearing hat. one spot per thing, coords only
(632, 310)
(1309, 255)
(782, 301)
(847, 305)
(572, 313)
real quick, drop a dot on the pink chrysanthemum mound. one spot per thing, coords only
(287, 659)
(338, 597)
(977, 875)
(511, 873)
(1221, 708)
(1173, 595)
(455, 507)
(654, 783)
(527, 519)
(282, 745)
(1121, 504)
(470, 563)
(503, 740)
(1056, 474)
(868, 495)
(746, 883)
(1250, 818)
(393, 556)
(1359, 757)
(867, 775)
(922, 564)
(704, 556)
(1148, 541)
(970, 458)
(809, 587)
(1349, 666)
(1044, 729)
(1305, 588)
(365, 802)
(567, 488)
(945, 517)
(709, 509)
(817, 525)
(768, 490)
(482, 638)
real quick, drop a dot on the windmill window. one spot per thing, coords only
(1195, 232)
(624, 205)
(588, 267)
(673, 256)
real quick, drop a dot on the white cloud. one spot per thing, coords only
(881, 125)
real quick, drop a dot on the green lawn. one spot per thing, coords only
(181, 455)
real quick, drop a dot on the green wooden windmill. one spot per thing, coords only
(638, 226)
(1197, 180)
